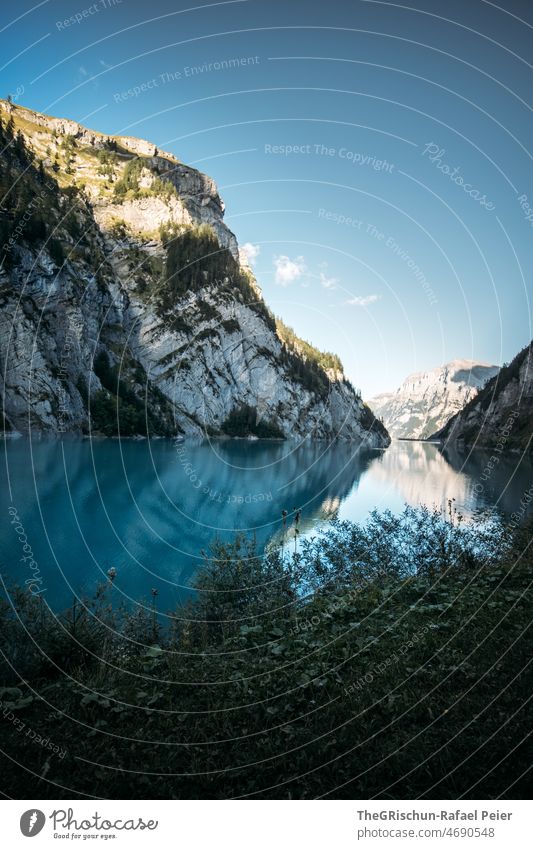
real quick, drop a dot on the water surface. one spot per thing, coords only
(148, 508)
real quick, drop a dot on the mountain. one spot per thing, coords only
(426, 400)
(125, 307)
(501, 415)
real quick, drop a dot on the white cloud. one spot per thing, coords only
(288, 269)
(363, 300)
(248, 253)
(328, 282)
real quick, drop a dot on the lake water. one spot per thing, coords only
(148, 508)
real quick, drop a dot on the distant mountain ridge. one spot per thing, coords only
(501, 414)
(426, 400)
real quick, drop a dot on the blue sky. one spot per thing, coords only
(373, 156)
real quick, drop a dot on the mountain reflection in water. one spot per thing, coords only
(148, 508)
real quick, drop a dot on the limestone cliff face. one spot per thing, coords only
(501, 415)
(426, 400)
(125, 308)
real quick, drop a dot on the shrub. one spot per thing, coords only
(383, 660)
(243, 421)
(119, 229)
(118, 409)
(323, 359)
(108, 161)
(129, 181)
(55, 249)
(30, 200)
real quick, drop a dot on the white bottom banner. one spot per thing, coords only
(268, 824)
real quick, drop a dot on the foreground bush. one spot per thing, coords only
(385, 660)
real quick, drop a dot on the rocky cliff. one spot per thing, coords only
(426, 400)
(501, 414)
(125, 307)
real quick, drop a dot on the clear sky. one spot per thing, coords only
(372, 156)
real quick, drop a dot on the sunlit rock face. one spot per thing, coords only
(427, 400)
(89, 282)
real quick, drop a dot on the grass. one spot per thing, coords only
(384, 660)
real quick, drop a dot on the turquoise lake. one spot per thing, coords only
(148, 508)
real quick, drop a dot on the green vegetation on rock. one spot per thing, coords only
(501, 410)
(323, 359)
(119, 409)
(128, 186)
(244, 421)
(129, 181)
(30, 200)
